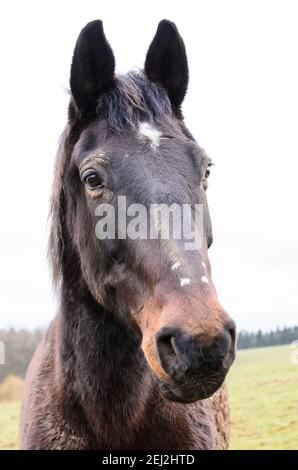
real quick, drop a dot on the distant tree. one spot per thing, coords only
(259, 339)
(19, 346)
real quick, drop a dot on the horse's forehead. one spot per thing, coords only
(98, 137)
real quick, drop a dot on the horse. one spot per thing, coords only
(137, 355)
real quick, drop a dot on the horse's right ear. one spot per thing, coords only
(92, 68)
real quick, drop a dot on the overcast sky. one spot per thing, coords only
(242, 106)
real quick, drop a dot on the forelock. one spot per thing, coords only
(131, 99)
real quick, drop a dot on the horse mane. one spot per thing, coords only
(57, 213)
(133, 98)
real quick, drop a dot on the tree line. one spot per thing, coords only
(260, 338)
(16, 350)
(19, 345)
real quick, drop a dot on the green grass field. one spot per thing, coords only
(9, 424)
(263, 387)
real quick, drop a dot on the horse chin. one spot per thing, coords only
(188, 393)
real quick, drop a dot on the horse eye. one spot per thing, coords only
(92, 180)
(206, 176)
(207, 172)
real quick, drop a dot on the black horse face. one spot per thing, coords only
(130, 156)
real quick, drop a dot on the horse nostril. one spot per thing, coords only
(198, 354)
(230, 327)
(167, 349)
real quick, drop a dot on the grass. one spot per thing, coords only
(263, 387)
(9, 424)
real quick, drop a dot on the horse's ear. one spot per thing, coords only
(92, 68)
(166, 62)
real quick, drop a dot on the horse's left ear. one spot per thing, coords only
(92, 68)
(166, 62)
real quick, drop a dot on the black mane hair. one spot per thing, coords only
(133, 98)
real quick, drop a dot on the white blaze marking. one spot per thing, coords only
(175, 265)
(204, 279)
(152, 135)
(184, 281)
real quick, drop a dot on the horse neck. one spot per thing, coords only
(104, 363)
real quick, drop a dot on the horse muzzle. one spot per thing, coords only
(195, 366)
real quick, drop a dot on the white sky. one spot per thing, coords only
(242, 105)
